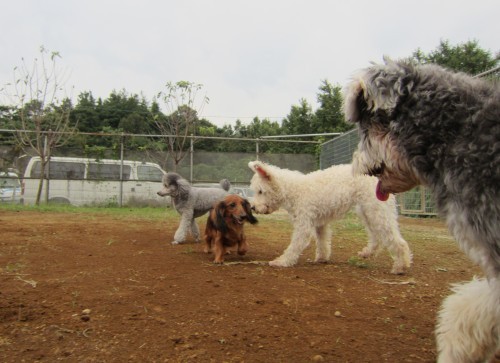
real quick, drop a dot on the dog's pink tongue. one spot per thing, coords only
(382, 196)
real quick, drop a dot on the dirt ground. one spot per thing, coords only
(96, 287)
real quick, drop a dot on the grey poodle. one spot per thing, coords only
(190, 202)
(426, 125)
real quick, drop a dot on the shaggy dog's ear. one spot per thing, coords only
(354, 101)
(248, 210)
(379, 87)
(220, 220)
(258, 168)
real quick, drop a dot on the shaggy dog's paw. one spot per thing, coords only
(176, 242)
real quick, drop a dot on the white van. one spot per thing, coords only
(83, 181)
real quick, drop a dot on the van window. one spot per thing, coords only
(150, 173)
(60, 170)
(100, 171)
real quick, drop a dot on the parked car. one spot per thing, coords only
(10, 187)
(244, 192)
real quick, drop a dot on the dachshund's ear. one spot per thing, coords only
(220, 221)
(248, 211)
(210, 226)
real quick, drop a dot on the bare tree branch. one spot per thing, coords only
(43, 113)
(180, 101)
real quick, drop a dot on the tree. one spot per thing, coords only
(299, 121)
(183, 107)
(329, 116)
(120, 105)
(42, 113)
(85, 113)
(466, 57)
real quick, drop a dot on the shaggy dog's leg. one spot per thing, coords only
(301, 236)
(381, 224)
(195, 231)
(184, 227)
(468, 326)
(323, 244)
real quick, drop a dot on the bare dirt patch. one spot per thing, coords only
(86, 287)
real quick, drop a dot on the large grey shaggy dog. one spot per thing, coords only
(425, 125)
(190, 202)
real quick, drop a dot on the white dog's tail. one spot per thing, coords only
(225, 184)
(468, 327)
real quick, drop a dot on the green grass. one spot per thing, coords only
(150, 213)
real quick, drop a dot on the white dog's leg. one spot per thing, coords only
(372, 245)
(300, 240)
(381, 224)
(323, 244)
(184, 227)
(468, 328)
(195, 231)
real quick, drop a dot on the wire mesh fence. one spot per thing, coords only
(127, 172)
(339, 150)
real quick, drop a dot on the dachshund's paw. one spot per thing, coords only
(219, 263)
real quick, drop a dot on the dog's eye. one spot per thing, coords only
(378, 171)
(232, 205)
(260, 191)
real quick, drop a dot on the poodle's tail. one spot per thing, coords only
(225, 184)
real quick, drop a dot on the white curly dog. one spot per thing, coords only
(313, 200)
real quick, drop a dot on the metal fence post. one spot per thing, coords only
(120, 199)
(191, 151)
(47, 174)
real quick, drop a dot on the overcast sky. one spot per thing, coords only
(254, 58)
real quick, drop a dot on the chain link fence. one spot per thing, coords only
(339, 150)
(129, 172)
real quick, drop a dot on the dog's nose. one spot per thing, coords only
(253, 208)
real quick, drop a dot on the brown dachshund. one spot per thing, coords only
(225, 226)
